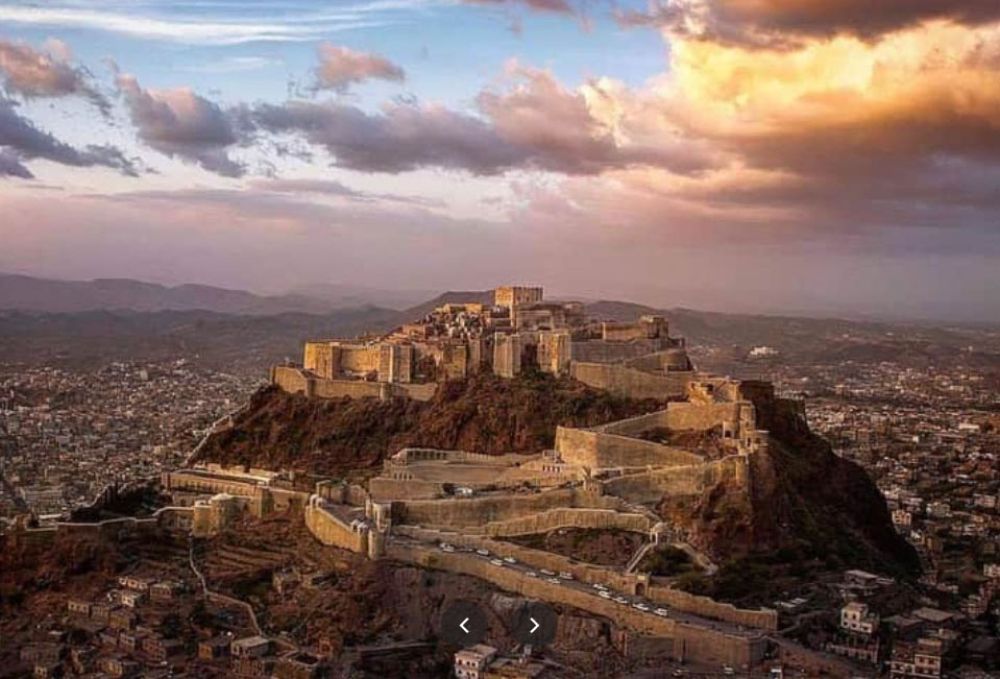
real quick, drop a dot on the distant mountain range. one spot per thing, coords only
(27, 293)
(74, 322)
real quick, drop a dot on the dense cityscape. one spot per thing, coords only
(68, 434)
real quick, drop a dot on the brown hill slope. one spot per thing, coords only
(805, 503)
(351, 437)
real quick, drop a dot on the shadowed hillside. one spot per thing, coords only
(483, 413)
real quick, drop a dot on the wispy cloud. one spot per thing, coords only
(236, 65)
(210, 23)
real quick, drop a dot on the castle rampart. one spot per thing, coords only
(629, 382)
(556, 519)
(682, 481)
(596, 449)
(692, 642)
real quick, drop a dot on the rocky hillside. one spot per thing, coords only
(805, 502)
(806, 505)
(351, 437)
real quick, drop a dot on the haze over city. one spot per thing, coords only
(783, 157)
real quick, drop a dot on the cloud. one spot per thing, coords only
(327, 187)
(580, 131)
(180, 123)
(218, 23)
(771, 22)
(400, 138)
(21, 136)
(340, 67)
(817, 141)
(235, 65)
(554, 6)
(534, 124)
(11, 166)
(31, 73)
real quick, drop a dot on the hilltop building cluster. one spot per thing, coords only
(519, 331)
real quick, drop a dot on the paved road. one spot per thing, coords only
(724, 627)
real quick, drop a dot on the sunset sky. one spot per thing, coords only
(798, 156)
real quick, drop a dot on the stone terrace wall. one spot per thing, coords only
(596, 449)
(475, 512)
(296, 381)
(710, 608)
(633, 426)
(554, 519)
(333, 532)
(591, 573)
(689, 480)
(700, 416)
(601, 351)
(289, 379)
(629, 382)
(700, 644)
(352, 388)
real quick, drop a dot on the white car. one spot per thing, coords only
(554, 581)
(546, 571)
(604, 595)
(496, 562)
(662, 612)
(531, 574)
(620, 600)
(510, 559)
(599, 586)
(483, 552)
(445, 547)
(566, 576)
(640, 606)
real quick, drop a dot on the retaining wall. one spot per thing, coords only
(333, 532)
(596, 449)
(554, 519)
(697, 643)
(651, 486)
(630, 382)
(477, 511)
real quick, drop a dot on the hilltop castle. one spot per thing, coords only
(520, 330)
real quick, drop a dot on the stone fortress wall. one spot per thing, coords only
(624, 583)
(295, 380)
(598, 450)
(426, 474)
(570, 517)
(622, 380)
(696, 642)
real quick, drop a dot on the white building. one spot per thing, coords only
(471, 663)
(857, 618)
